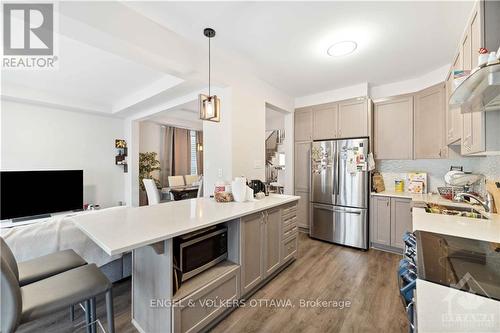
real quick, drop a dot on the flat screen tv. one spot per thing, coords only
(28, 194)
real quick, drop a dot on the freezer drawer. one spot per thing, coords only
(322, 222)
(351, 227)
(342, 225)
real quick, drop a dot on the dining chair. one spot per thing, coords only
(191, 179)
(200, 187)
(175, 181)
(151, 191)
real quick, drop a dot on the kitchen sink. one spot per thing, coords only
(454, 210)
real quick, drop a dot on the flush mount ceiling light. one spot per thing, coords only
(342, 48)
(209, 105)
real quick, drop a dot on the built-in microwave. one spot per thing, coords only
(199, 250)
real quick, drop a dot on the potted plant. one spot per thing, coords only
(147, 165)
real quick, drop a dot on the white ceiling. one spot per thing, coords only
(286, 42)
(151, 55)
(92, 78)
(184, 115)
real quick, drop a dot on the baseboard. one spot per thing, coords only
(386, 248)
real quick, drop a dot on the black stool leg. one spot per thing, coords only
(88, 318)
(109, 311)
(72, 313)
(93, 315)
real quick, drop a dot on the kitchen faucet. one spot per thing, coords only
(487, 204)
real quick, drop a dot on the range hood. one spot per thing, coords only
(480, 92)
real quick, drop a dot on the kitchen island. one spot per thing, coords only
(261, 241)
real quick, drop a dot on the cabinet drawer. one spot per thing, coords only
(289, 248)
(289, 211)
(201, 307)
(289, 222)
(290, 232)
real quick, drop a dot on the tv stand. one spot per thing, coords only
(27, 218)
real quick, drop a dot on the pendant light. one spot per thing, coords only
(209, 105)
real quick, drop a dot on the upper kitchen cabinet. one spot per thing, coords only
(353, 118)
(325, 121)
(303, 119)
(479, 130)
(429, 123)
(453, 114)
(393, 128)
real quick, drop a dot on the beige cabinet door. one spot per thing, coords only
(272, 236)
(400, 220)
(478, 143)
(466, 50)
(302, 170)
(466, 144)
(380, 220)
(252, 247)
(325, 121)
(353, 119)
(303, 124)
(454, 114)
(476, 34)
(429, 123)
(393, 128)
(303, 208)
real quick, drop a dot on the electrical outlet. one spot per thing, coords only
(219, 173)
(257, 164)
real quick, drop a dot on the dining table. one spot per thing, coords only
(181, 192)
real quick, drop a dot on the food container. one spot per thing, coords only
(399, 185)
(223, 196)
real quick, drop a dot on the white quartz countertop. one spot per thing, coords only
(122, 230)
(487, 230)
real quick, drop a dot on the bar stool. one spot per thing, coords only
(42, 267)
(35, 300)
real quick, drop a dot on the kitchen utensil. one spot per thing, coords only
(494, 190)
(448, 192)
(450, 174)
(463, 179)
(239, 187)
(257, 186)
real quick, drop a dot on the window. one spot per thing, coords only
(194, 153)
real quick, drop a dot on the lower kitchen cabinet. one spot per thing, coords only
(390, 218)
(268, 241)
(252, 248)
(380, 220)
(272, 229)
(400, 220)
(196, 311)
(303, 209)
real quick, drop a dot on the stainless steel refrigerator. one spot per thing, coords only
(339, 191)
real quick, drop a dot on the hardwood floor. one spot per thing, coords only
(322, 272)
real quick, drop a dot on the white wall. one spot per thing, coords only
(41, 138)
(436, 169)
(412, 85)
(333, 95)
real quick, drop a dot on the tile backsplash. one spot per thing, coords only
(436, 169)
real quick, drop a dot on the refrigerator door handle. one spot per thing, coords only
(347, 211)
(325, 207)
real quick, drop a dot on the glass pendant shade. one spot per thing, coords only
(209, 107)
